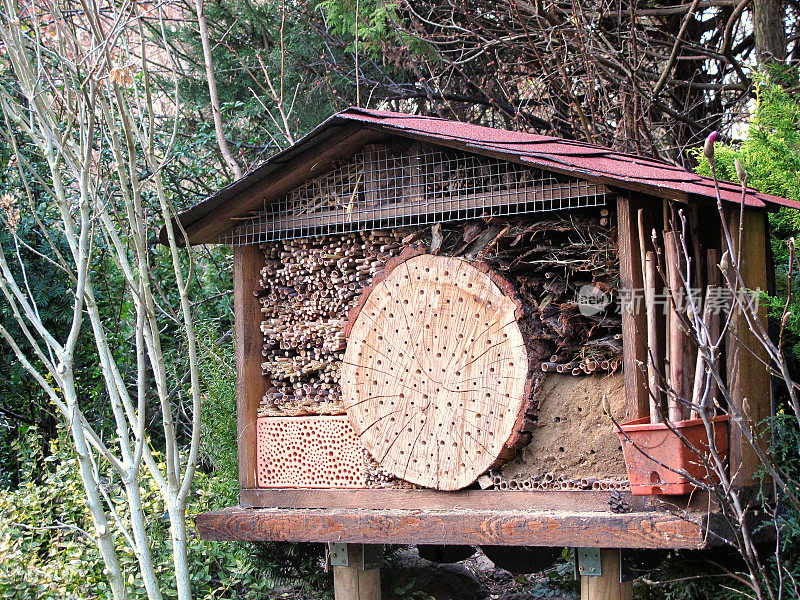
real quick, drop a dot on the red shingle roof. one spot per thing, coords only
(578, 158)
(208, 219)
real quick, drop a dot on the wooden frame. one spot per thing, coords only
(583, 519)
(297, 506)
(249, 381)
(426, 499)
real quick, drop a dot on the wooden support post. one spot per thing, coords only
(247, 262)
(748, 375)
(607, 585)
(634, 317)
(360, 577)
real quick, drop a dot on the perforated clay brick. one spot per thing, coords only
(309, 452)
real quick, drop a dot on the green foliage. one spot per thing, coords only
(297, 564)
(284, 563)
(374, 20)
(21, 399)
(46, 553)
(378, 35)
(771, 152)
(218, 419)
(771, 156)
(254, 44)
(42, 553)
(785, 448)
(38, 479)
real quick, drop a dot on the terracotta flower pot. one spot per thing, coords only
(648, 447)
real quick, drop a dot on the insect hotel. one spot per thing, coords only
(433, 346)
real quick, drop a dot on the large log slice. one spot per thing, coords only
(435, 378)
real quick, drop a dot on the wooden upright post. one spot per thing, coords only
(634, 317)
(247, 262)
(358, 580)
(748, 373)
(607, 585)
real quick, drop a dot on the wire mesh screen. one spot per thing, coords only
(382, 187)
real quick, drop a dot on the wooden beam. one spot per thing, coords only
(250, 384)
(553, 528)
(748, 375)
(424, 499)
(607, 585)
(634, 317)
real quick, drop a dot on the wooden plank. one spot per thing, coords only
(250, 384)
(472, 527)
(424, 499)
(607, 585)
(634, 316)
(748, 377)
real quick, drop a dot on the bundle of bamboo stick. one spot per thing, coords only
(553, 481)
(686, 276)
(306, 288)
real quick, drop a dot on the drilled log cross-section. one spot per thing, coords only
(435, 375)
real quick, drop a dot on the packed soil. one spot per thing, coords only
(573, 437)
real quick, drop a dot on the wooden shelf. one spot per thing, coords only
(557, 528)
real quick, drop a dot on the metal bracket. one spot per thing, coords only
(587, 562)
(339, 555)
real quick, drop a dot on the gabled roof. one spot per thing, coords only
(338, 138)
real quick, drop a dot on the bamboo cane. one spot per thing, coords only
(699, 370)
(652, 337)
(675, 332)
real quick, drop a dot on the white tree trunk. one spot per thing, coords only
(73, 107)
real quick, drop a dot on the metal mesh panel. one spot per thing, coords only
(383, 187)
